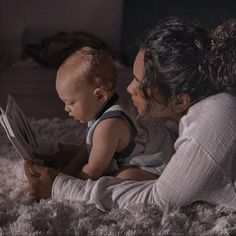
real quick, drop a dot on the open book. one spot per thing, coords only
(19, 131)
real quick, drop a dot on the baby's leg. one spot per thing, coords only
(133, 173)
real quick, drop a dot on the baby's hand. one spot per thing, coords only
(68, 148)
(60, 158)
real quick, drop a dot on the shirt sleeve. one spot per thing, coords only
(191, 175)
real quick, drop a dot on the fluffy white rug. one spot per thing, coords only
(20, 216)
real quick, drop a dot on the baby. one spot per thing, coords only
(85, 83)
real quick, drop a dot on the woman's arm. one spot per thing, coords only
(190, 176)
(105, 193)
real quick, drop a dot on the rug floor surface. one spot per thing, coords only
(20, 216)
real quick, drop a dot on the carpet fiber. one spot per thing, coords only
(20, 216)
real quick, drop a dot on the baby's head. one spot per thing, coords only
(85, 81)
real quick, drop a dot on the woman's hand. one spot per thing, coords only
(40, 180)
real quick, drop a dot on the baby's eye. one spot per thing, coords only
(70, 104)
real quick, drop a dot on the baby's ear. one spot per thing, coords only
(181, 102)
(100, 95)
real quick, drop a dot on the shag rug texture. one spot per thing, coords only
(20, 216)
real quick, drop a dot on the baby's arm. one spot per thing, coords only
(77, 162)
(110, 136)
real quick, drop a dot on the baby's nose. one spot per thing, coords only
(67, 108)
(130, 88)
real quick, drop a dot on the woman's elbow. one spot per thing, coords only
(167, 198)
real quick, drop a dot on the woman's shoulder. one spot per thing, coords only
(220, 99)
(214, 104)
(214, 112)
(211, 124)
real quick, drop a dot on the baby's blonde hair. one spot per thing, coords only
(93, 66)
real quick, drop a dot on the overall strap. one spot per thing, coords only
(128, 150)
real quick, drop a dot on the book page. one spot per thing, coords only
(19, 131)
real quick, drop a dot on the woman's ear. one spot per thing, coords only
(100, 95)
(181, 102)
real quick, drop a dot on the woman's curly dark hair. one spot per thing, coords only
(175, 55)
(222, 58)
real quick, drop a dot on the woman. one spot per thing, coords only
(172, 79)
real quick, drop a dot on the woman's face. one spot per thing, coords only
(139, 102)
(159, 109)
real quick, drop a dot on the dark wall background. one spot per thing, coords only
(141, 15)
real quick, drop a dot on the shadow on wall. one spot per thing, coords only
(29, 21)
(139, 16)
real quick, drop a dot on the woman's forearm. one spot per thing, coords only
(105, 193)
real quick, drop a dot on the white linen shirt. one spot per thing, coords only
(203, 167)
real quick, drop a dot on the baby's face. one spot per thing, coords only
(79, 99)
